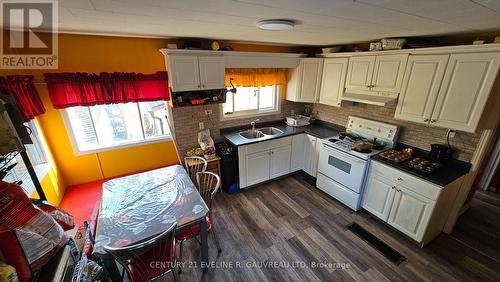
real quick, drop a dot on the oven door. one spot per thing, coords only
(341, 167)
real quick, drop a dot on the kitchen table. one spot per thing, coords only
(139, 206)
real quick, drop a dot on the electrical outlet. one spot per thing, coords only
(451, 133)
(208, 112)
(202, 125)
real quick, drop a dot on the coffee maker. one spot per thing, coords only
(440, 152)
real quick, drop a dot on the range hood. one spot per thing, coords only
(377, 99)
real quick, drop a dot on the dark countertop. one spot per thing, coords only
(319, 129)
(449, 171)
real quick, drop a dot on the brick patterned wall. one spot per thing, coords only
(413, 134)
(186, 122)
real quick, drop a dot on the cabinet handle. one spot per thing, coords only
(272, 153)
(203, 85)
(433, 120)
(368, 86)
(398, 190)
(426, 119)
(399, 178)
(199, 86)
(393, 187)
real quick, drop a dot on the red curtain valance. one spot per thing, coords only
(22, 89)
(84, 89)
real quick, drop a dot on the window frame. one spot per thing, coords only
(123, 145)
(41, 168)
(277, 89)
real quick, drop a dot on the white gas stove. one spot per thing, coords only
(342, 169)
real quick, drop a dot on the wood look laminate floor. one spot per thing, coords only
(276, 231)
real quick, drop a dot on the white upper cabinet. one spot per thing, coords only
(191, 72)
(304, 81)
(333, 81)
(183, 72)
(383, 73)
(465, 89)
(212, 72)
(388, 73)
(421, 83)
(359, 72)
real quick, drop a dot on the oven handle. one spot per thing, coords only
(336, 151)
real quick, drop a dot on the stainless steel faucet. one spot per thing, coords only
(253, 123)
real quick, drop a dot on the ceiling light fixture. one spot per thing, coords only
(276, 25)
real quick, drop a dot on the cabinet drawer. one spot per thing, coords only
(212, 165)
(411, 182)
(268, 145)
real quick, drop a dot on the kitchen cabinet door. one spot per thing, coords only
(184, 73)
(465, 89)
(311, 155)
(298, 148)
(422, 79)
(359, 72)
(310, 80)
(304, 82)
(378, 196)
(280, 161)
(258, 167)
(410, 213)
(388, 73)
(333, 81)
(212, 72)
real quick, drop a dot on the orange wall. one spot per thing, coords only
(85, 53)
(79, 53)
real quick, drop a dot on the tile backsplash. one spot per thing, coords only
(417, 135)
(186, 122)
(186, 125)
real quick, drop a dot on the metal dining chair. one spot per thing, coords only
(193, 165)
(208, 183)
(149, 259)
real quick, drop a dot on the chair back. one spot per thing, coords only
(149, 258)
(208, 185)
(193, 165)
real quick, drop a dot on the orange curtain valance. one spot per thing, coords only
(247, 77)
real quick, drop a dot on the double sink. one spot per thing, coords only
(260, 133)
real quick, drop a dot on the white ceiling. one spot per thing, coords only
(321, 22)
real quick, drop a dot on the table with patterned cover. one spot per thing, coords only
(139, 206)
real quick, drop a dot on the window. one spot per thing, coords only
(251, 101)
(102, 127)
(38, 158)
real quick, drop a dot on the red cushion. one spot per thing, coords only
(192, 231)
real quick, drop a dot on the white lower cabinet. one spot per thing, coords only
(280, 161)
(305, 153)
(264, 161)
(267, 160)
(379, 194)
(257, 167)
(410, 213)
(413, 206)
(311, 155)
(298, 147)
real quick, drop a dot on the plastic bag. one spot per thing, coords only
(29, 237)
(207, 144)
